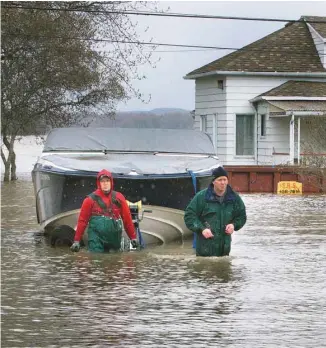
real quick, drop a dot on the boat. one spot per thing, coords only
(157, 170)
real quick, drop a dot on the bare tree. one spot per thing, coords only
(55, 64)
(313, 162)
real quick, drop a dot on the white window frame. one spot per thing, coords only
(203, 123)
(253, 155)
(262, 129)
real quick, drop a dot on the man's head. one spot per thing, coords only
(220, 179)
(105, 181)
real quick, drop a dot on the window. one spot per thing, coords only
(262, 125)
(245, 135)
(220, 84)
(203, 123)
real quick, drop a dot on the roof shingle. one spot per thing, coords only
(298, 89)
(299, 105)
(290, 49)
(319, 27)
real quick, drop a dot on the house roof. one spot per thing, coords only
(290, 49)
(319, 27)
(291, 106)
(298, 89)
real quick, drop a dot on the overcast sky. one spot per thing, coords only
(165, 84)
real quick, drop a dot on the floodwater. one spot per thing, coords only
(270, 292)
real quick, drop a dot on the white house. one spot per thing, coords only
(256, 103)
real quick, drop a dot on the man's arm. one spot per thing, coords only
(240, 216)
(84, 217)
(192, 214)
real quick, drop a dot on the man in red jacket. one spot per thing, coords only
(103, 211)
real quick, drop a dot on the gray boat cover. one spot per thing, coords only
(129, 139)
(132, 164)
(163, 151)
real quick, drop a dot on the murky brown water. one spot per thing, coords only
(270, 293)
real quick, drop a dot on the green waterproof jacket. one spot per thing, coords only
(206, 211)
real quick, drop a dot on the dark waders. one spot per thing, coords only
(104, 232)
(219, 245)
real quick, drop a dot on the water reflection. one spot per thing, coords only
(212, 270)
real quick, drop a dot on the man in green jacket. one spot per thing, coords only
(214, 214)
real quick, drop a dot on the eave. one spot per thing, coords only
(294, 98)
(258, 73)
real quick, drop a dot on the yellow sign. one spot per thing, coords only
(289, 188)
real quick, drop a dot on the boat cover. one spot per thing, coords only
(129, 164)
(129, 151)
(129, 139)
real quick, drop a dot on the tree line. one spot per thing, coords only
(54, 72)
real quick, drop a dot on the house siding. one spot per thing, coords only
(211, 101)
(233, 100)
(320, 44)
(274, 148)
(239, 91)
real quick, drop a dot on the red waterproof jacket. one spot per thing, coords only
(90, 208)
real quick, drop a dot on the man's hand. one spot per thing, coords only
(229, 229)
(134, 243)
(207, 233)
(75, 246)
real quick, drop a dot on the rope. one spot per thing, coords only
(194, 182)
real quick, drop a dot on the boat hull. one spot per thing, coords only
(59, 197)
(161, 225)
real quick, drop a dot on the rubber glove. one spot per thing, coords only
(75, 246)
(134, 243)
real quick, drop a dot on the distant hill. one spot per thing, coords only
(156, 118)
(163, 118)
(167, 110)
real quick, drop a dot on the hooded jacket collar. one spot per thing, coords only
(211, 196)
